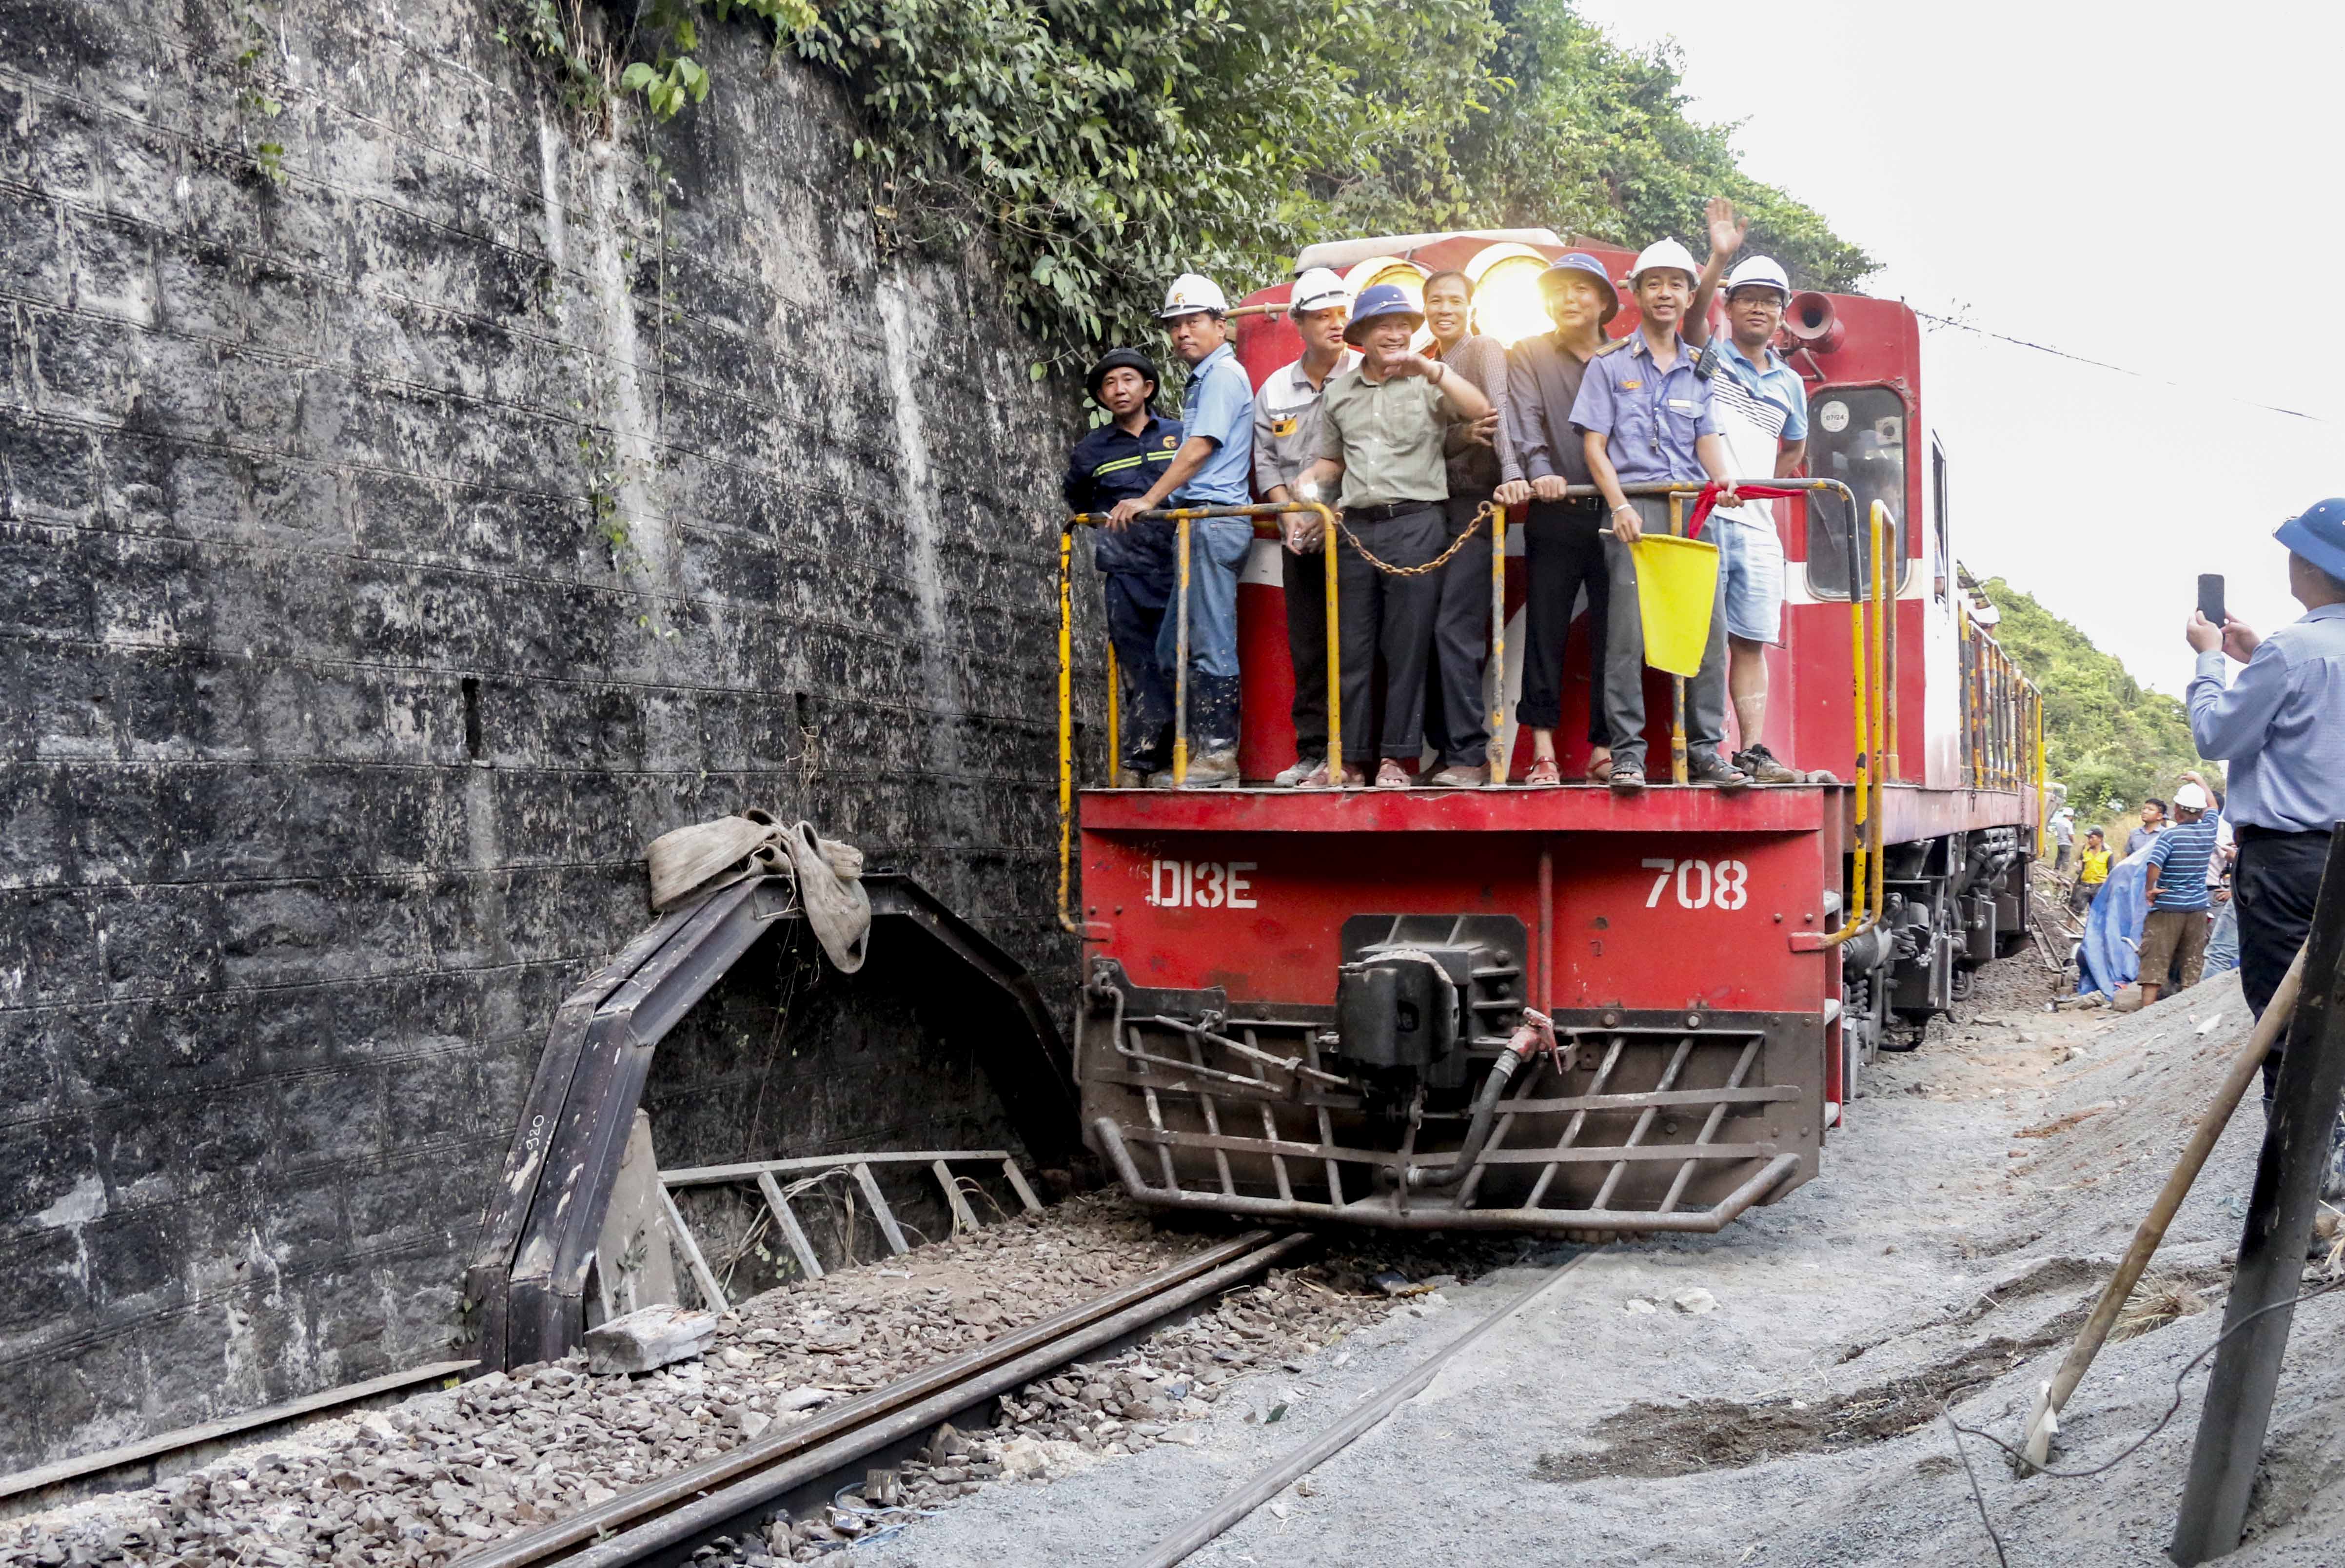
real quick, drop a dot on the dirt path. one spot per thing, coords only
(1964, 1221)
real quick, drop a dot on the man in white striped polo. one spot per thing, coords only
(1762, 413)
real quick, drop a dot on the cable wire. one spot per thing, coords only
(1962, 326)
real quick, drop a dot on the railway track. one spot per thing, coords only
(664, 1520)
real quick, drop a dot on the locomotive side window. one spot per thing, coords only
(1943, 536)
(1857, 436)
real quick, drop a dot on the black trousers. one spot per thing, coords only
(1563, 553)
(1455, 706)
(1306, 579)
(2275, 882)
(1387, 620)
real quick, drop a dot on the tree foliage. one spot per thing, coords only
(2113, 743)
(1109, 145)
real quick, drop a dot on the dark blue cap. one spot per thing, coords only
(1579, 263)
(2318, 534)
(1381, 299)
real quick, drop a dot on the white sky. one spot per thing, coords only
(2136, 184)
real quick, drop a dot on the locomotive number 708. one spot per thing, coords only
(1701, 884)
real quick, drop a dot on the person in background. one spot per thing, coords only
(2281, 726)
(1285, 442)
(1563, 542)
(1475, 468)
(1762, 414)
(1214, 466)
(2064, 837)
(2153, 822)
(2092, 871)
(1646, 414)
(2223, 935)
(1120, 460)
(2175, 934)
(1381, 427)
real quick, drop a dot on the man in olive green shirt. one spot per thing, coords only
(1382, 425)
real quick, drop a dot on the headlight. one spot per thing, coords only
(1506, 301)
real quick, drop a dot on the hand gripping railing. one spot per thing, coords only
(1182, 517)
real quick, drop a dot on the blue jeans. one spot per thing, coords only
(1217, 548)
(2223, 942)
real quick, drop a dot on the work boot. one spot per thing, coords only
(1212, 732)
(1213, 770)
(1760, 764)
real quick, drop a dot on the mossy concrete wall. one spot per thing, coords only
(387, 552)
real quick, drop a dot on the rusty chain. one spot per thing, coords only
(1486, 512)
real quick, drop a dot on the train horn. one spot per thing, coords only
(1813, 324)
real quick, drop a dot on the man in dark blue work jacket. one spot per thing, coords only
(1121, 458)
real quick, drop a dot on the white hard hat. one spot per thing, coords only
(1319, 289)
(1190, 293)
(1664, 253)
(1758, 272)
(2190, 797)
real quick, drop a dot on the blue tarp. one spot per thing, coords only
(2111, 954)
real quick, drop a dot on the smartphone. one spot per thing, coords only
(2210, 596)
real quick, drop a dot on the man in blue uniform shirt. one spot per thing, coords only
(1212, 467)
(1645, 414)
(1116, 461)
(2281, 726)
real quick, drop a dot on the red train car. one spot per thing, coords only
(1312, 1005)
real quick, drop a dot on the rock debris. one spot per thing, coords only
(427, 1481)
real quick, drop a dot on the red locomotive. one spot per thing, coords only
(1310, 1005)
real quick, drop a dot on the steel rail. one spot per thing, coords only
(1352, 1426)
(672, 1509)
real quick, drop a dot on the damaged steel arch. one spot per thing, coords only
(525, 1292)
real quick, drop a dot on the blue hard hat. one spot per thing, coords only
(2318, 534)
(1381, 299)
(1579, 263)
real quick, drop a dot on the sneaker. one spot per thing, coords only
(1299, 776)
(1719, 772)
(1626, 778)
(1461, 777)
(1760, 764)
(1392, 776)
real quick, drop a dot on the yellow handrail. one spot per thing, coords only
(1067, 728)
(1497, 674)
(1866, 661)
(1183, 516)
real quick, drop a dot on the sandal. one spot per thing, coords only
(1626, 778)
(1392, 776)
(1544, 774)
(1600, 769)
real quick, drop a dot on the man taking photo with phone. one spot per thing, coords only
(2281, 726)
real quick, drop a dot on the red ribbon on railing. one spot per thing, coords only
(1702, 508)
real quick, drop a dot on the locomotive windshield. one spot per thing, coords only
(1857, 436)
